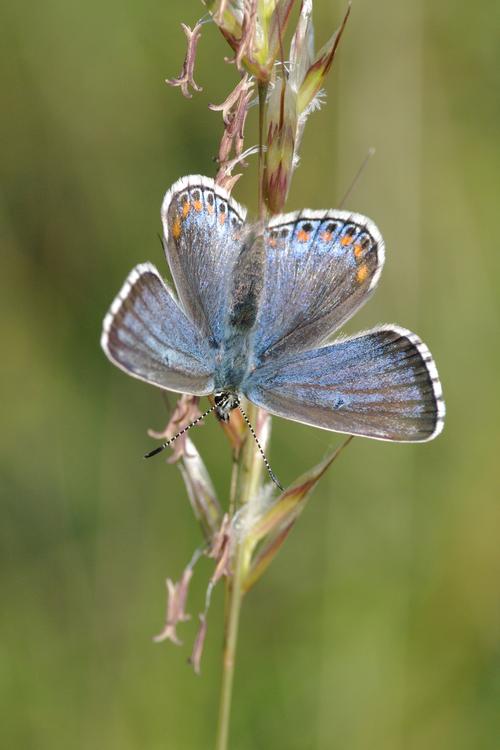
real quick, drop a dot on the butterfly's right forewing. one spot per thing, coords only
(202, 225)
(147, 335)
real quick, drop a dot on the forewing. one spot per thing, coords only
(202, 227)
(321, 267)
(147, 335)
(381, 384)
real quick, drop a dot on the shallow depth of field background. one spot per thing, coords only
(378, 626)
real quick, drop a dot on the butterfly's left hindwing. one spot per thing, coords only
(381, 384)
(147, 335)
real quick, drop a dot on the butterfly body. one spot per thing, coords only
(244, 294)
(253, 315)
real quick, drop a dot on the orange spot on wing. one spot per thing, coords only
(346, 239)
(273, 242)
(210, 208)
(302, 236)
(222, 218)
(326, 236)
(185, 209)
(362, 273)
(197, 206)
(176, 228)
(358, 250)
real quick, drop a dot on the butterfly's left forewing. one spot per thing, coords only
(381, 384)
(321, 267)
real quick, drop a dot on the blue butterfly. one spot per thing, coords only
(253, 310)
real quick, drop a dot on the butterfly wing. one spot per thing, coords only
(147, 335)
(202, 228)
(381, 384)
(321, 267)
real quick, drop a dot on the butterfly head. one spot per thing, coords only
(225, 402)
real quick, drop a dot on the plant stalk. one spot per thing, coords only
(262, 90)
(235, 595)
(246, 478)
(249, 474)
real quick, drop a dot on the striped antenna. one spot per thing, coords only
(268, 467)
(181, 432)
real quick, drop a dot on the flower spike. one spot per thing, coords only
(296, 93)
(185, 78)
(254, 29)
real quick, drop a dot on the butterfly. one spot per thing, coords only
(252, 314)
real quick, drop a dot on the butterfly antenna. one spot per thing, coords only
(356, 177)
(181, 432)
(162, 243)
(268, 467)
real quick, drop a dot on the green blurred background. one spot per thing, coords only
(378, 626)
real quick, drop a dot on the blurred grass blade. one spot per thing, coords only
(277, 522)
(265, 556)
(201, 491)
